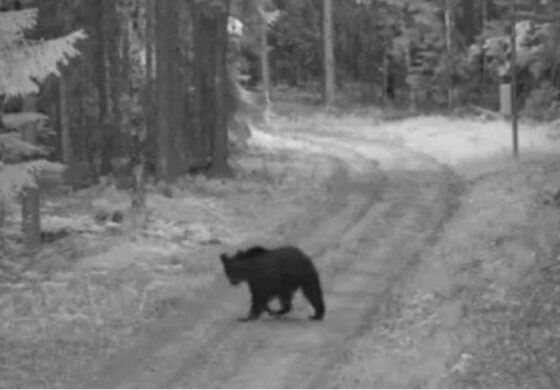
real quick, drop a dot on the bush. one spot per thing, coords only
(542, 104)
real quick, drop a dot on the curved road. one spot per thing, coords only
(366, 248)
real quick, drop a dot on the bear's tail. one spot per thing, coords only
(314, 294)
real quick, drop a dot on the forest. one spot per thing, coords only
(141, 138)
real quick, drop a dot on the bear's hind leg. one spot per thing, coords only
(286, 297)
(312, 291)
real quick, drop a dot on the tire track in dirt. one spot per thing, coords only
(213, 311)
(299, 356)
(363, 250)
(294, 353)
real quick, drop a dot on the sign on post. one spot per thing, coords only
(505, 99)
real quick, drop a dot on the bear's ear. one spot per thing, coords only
(224, 257)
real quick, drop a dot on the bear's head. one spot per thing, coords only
(233, 269)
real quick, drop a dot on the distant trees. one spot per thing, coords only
(150, 95)
(154, 91)
(424, 53)
(134, 95)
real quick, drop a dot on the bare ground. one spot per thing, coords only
(365, 250)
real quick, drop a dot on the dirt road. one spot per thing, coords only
(366, 249)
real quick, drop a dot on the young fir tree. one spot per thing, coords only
(23, 64)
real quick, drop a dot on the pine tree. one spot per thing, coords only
(23, 64)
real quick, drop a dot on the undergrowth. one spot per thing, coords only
(90, 292)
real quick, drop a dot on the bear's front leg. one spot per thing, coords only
(259, 303)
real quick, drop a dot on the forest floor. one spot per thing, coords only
(438, 256)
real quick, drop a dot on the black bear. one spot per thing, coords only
(275, 273)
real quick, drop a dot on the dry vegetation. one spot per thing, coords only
(482, 309)
(88, 292)
(487, 289)
(514, 320)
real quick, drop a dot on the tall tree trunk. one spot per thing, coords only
(200, 140)
(102, 90)
(265, 66)
(65, 139)
(482, 84)
(220, 166)
(2, 200)
(115, 78)
(137, 140)
(2, 221)
(328, 60)
(211, 83)
(168, 86)
(149, 104)
(388, 92)
(30, 210)
(449, 53)
(187, 131)
(412, 101)
(469, 21)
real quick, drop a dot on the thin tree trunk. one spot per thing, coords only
(413, 104)
(2, 200)
(115, 77)
(2, 221)
(149, 105)
(482, 53)
(448, 54)
(168, 88)
(265, 67)
(66, 140)
(30, 210)
(102, 90)
(162, 89)
(386, 68)
(329, 66)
